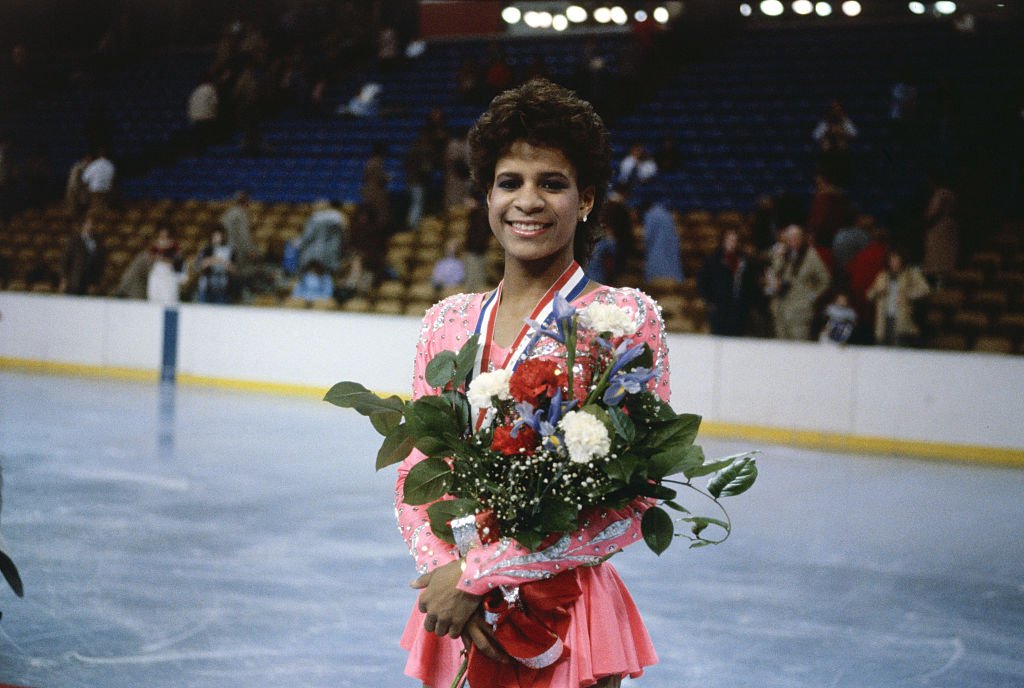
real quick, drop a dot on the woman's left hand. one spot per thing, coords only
(447, 608)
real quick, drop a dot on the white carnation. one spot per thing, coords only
(487, 385)
(585, 436)
(607, 317)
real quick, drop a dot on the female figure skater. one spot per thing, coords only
(542, 156)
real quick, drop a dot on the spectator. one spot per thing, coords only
(166, 274)
(84, 260)
(76, 193)
(98, 177)
(449, 270)
(456, 171)
(942, 232)
(765, 228)
(830, 210)
(638, 167)
(236, 223)
(203, 109)
(601, 266)
(796, 279)
(314, 286)
(848, 242)
(133, 280)
(368, 238)
(894, 292)
(727, 283)
(419, 167)
(478, 238)
(216, 265)
(322, 238)
(840, 321)
(617, 215)
(356, 280)
(661, 242)
(862, 271)
(834, 134)
(366, 103)
(375, 186)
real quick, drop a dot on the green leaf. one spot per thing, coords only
(353, 395)
(621, 467)
(441, 514)
(657, 529)
(529, 539)
(709, 468)
(466, 359)
(385, 421)
(428, 480)
(431, 416)
(463, 410)
(441, 370)
(675, 460)
(655, 491)
(678, 507)
(734, 480)
(396, 447)
(557, 517)
(678, 432)
(623, 425)
(699, 523)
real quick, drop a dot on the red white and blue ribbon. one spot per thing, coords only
(570, 285)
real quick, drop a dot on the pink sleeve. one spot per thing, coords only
(603, 532)
(427, 549)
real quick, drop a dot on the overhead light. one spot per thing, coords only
(602, 15)
(916, 7)
(619, 15)
(745, 10)
(803, 7)
(772, 8)
(575, 14)
(511, 14)
(661, 15)
(559, 22)
(640, 16)
(945, 7)
(851, 8)
(822, 9)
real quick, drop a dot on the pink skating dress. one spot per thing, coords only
(606, 635)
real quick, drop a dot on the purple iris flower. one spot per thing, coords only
(625, 354)
(562, 313)
(528, 416)
(626, 383)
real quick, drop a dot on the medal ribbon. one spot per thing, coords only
(570, 285)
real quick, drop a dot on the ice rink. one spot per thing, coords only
(203, 538)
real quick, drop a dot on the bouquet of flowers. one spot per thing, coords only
(520, 453)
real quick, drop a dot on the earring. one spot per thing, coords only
(585, 216)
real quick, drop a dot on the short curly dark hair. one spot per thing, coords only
(546, 115)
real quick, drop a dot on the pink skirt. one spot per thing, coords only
(606, 637)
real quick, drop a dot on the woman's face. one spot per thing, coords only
(534, 203)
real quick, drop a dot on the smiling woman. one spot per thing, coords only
(542, 155)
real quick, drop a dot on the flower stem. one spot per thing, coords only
(570, 357)
(460, 678)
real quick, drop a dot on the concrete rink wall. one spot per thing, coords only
(176, 536)
(868, 399)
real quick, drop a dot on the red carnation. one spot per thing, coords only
(524, 442)
(536, 378)
(487, 526)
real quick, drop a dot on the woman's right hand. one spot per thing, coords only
(479, 633)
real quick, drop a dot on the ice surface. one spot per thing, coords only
(204, 538)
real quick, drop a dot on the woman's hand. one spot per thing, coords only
(447, 608)
(479, 633)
